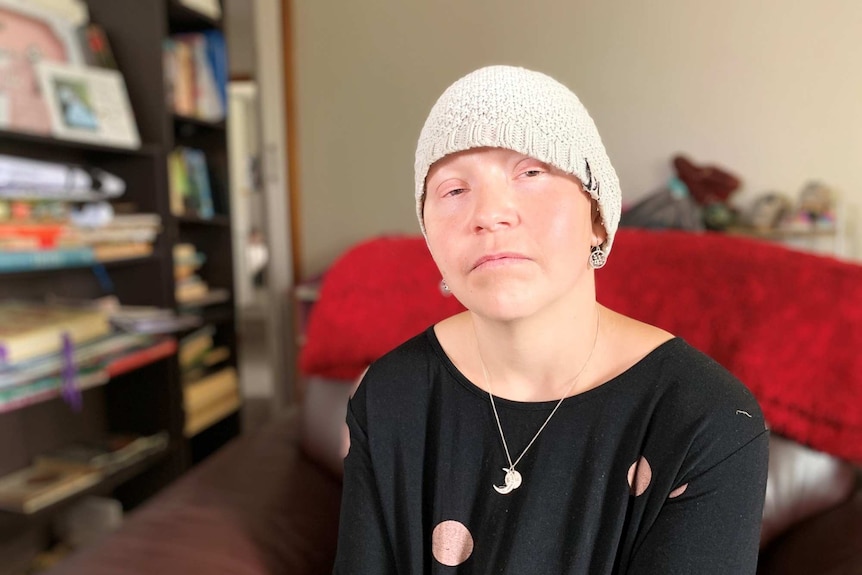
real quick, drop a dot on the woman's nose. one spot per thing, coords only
(494, 208)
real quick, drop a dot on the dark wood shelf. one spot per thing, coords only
(217, 220)
(216, 314)
(184, 19)
(199, 123)
(147, 398)
(50, 142)
(209, 440)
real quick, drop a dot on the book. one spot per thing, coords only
(151, 320)
(40, 485)
(216, 356)
(48, 388)
(112, 235)
(121, 251)
(193, 346)
(91, 373)
(216, 52)
(19, 261)
(24, 178)
(189, 183)
(214, 413)
(183, 80)
(45, 235)
(136, 220)
(211, 297)
(201, 394)
(28, 330)
(178, 182)
(196, 74)
(199, 201)
(140, 357)
(108, 455)
(44, 366)
(169, 71)
(208, 104)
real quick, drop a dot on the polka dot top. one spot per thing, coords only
(661, 470)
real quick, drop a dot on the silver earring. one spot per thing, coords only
(444, 288)
(598, 257)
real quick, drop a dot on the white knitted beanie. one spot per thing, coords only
(527, 112)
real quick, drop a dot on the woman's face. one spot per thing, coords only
(510, 234)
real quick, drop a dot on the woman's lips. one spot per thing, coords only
(498, 259)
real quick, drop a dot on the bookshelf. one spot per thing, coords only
(149, 398)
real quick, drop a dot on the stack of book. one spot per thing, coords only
(46, 349)
(40, 485)
(29, 243)
(107, 455)
(210, 384)
(189, 183)
(152, 320)
(54, 214)
(196, 74)
(71, 469)
(124, 236)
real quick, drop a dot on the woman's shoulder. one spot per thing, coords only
(686, 385)
(398, 374)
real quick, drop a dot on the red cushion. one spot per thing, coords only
(377, 295)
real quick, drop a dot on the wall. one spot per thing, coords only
(770, 89)
(239, 34)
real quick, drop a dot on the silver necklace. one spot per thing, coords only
(513, 479)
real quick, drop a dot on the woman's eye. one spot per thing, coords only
(533, 173)
(455, 192)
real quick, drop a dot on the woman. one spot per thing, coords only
(539, 432)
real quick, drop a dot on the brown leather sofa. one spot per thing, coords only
(268, 504)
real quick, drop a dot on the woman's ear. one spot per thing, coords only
(599, 232)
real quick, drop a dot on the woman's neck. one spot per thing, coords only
(537, 358)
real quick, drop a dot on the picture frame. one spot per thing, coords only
(28, 35)
(88, 105)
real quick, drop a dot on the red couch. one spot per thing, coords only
(268, 503)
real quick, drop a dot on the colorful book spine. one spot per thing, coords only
(142, 357)
(46, 389)
(45, 259)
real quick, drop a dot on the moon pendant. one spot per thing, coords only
(512, 482)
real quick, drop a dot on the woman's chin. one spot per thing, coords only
(503, 309)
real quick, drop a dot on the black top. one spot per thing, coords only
(660, 470)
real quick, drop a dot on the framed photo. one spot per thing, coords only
(30, 35)
(88, 105)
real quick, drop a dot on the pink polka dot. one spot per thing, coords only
(640, 475)
(451, 543)
(678, 491)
